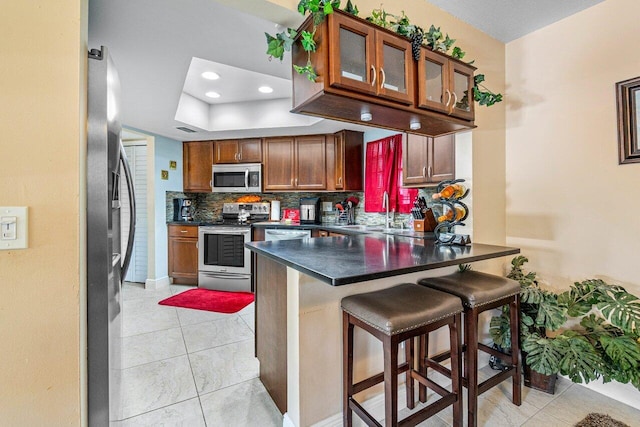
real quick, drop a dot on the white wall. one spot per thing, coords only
(570, 206)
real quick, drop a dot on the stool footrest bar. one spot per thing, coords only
(495, 380)
(505, 357)
(429, 411)
(376, 379)
(364, 415)
(438, 368)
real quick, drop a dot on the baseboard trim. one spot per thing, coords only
(152, 284)
(286, 421)
(373, 405)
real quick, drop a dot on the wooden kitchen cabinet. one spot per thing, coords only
(295, 163)
(370, 60)
(238, 151)
(197, 159)
(427, 161)
(183, 254)
(344, 161)
(445, 85)
(363, 68)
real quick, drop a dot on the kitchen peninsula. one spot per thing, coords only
(299, 286)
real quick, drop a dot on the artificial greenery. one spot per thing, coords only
(434, 39)
(282, 41)
(606, 344)
(350, 8)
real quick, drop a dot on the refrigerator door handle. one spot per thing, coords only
(132, 212)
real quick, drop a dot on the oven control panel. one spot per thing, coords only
(261, 208)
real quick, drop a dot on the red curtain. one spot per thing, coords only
(383, 172)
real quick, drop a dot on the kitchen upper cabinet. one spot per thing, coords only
(363, 68)
(197, 161)
(238, 151)
(427, 161)
(183, 253)
(279, 167)
(369, 60)
(344, 161)
(445, 85)
(295, 163)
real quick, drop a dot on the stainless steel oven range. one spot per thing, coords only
(223, 262)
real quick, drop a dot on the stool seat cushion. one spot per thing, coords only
(474, 288)
(401, 308)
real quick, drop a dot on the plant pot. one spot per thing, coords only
(536, 380)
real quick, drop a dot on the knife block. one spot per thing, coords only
(427, 224)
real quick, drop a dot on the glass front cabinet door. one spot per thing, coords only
(445, 85)
(369, 61)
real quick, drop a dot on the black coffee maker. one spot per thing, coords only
(310, 210)
(182, 209)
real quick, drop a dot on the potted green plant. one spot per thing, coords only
(600, 336)
(539, 312)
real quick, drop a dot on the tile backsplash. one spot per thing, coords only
(208, 206)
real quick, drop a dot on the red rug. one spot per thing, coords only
(205, 299)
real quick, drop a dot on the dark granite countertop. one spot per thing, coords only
(358, 258)
(196, 223)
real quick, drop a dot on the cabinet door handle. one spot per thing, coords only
(183, 231)
(382, 78)
(292, 182)
(446, 104)
(373, 79)
(235, 156)
(239, 156)
(340, 181)
(430, 171)
(424, 171)
(296, 182)
(211, 184)
(455, 101)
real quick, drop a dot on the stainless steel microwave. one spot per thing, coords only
(237, 178)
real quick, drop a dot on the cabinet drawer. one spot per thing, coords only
(183, 230)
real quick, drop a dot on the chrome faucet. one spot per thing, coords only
(385, 203)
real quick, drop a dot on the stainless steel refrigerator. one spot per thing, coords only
(106, 265)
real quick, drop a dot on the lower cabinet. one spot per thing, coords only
(183, 254)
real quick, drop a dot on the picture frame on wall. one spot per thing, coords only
(628, 100)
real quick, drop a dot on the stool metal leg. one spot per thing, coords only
(347, 369)
(514, 319)
(471, 364)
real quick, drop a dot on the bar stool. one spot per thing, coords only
(479, 292)
(396, 315)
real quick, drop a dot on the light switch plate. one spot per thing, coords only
(14, 221)
(327, 207)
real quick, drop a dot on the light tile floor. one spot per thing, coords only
(184, 367)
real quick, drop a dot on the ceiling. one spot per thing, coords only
(161, 47)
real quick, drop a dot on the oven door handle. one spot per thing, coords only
(222, 230)
(231, 276)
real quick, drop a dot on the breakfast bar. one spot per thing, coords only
(299, 285)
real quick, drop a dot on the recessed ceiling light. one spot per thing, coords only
(265, 89)
(210, 75)
(213, 94)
